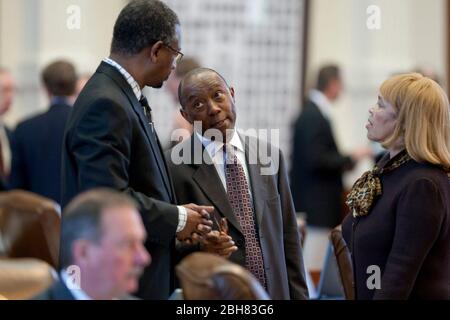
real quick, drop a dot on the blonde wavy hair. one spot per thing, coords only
(423, 118)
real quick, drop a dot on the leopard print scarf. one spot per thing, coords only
(367, 189)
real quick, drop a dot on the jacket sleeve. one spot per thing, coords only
(319, 143)
(18, 175)
(101, 148)
(291, 236)
(419, 218)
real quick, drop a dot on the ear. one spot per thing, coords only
(155, 51)
(81, 251)
(232, 92)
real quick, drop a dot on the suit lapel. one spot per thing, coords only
(258, 182)
(162, 165)
(208, 180)
(169, 176)
(155, 146)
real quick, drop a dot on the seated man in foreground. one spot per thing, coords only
(102, 248)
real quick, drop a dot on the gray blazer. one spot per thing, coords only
(273, 206)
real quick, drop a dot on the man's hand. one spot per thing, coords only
(218, 243)
(198, 221)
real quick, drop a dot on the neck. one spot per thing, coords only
(329, 96)
(132, 65)
(94, 291)
(394, 151)
(60, 98)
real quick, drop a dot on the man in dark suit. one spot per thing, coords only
(37, 142)
(317, 164)
(110, 138)
(263, 234)
(102, 247)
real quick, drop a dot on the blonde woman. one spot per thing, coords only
(398, 229)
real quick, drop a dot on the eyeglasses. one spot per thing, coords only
(179, 53)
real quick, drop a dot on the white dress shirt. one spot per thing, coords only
(182, 212)
(76, 292)
(322, 103)
(215, 151)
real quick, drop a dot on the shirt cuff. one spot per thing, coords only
(182, 217)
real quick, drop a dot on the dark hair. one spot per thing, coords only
(193, 73)
(141, 24)
(60, 78)
(326, 75)
(81, 219)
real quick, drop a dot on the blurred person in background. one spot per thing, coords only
(37, 142)
(81, 82)
(318, 166)
(400, 210)
(7, 91)
(178, 121)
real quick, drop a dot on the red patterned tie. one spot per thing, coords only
(239, 197)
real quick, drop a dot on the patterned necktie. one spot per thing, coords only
(239, 197)
(147, 111)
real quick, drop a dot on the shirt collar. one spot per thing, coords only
(133, 83)
(214, 146)
(59, 100)
(322, 102)
(77, 293)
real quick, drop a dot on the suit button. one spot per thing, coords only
(239, 243)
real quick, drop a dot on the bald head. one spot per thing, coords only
(206, 97)
(195, 77)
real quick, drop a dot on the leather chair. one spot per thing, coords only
(23, 278)
(29, 227)
(344, 262)
(205, 276)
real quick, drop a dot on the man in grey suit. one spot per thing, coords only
(262, 234)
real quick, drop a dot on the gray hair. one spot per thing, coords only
(81, 219)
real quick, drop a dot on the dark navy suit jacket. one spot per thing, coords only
(36, 152)
(58, 291)
(317, 167)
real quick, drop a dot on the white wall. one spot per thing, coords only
(256, 45)
(34, 32)
(413, 33)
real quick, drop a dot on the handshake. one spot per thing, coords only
(198, 230)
